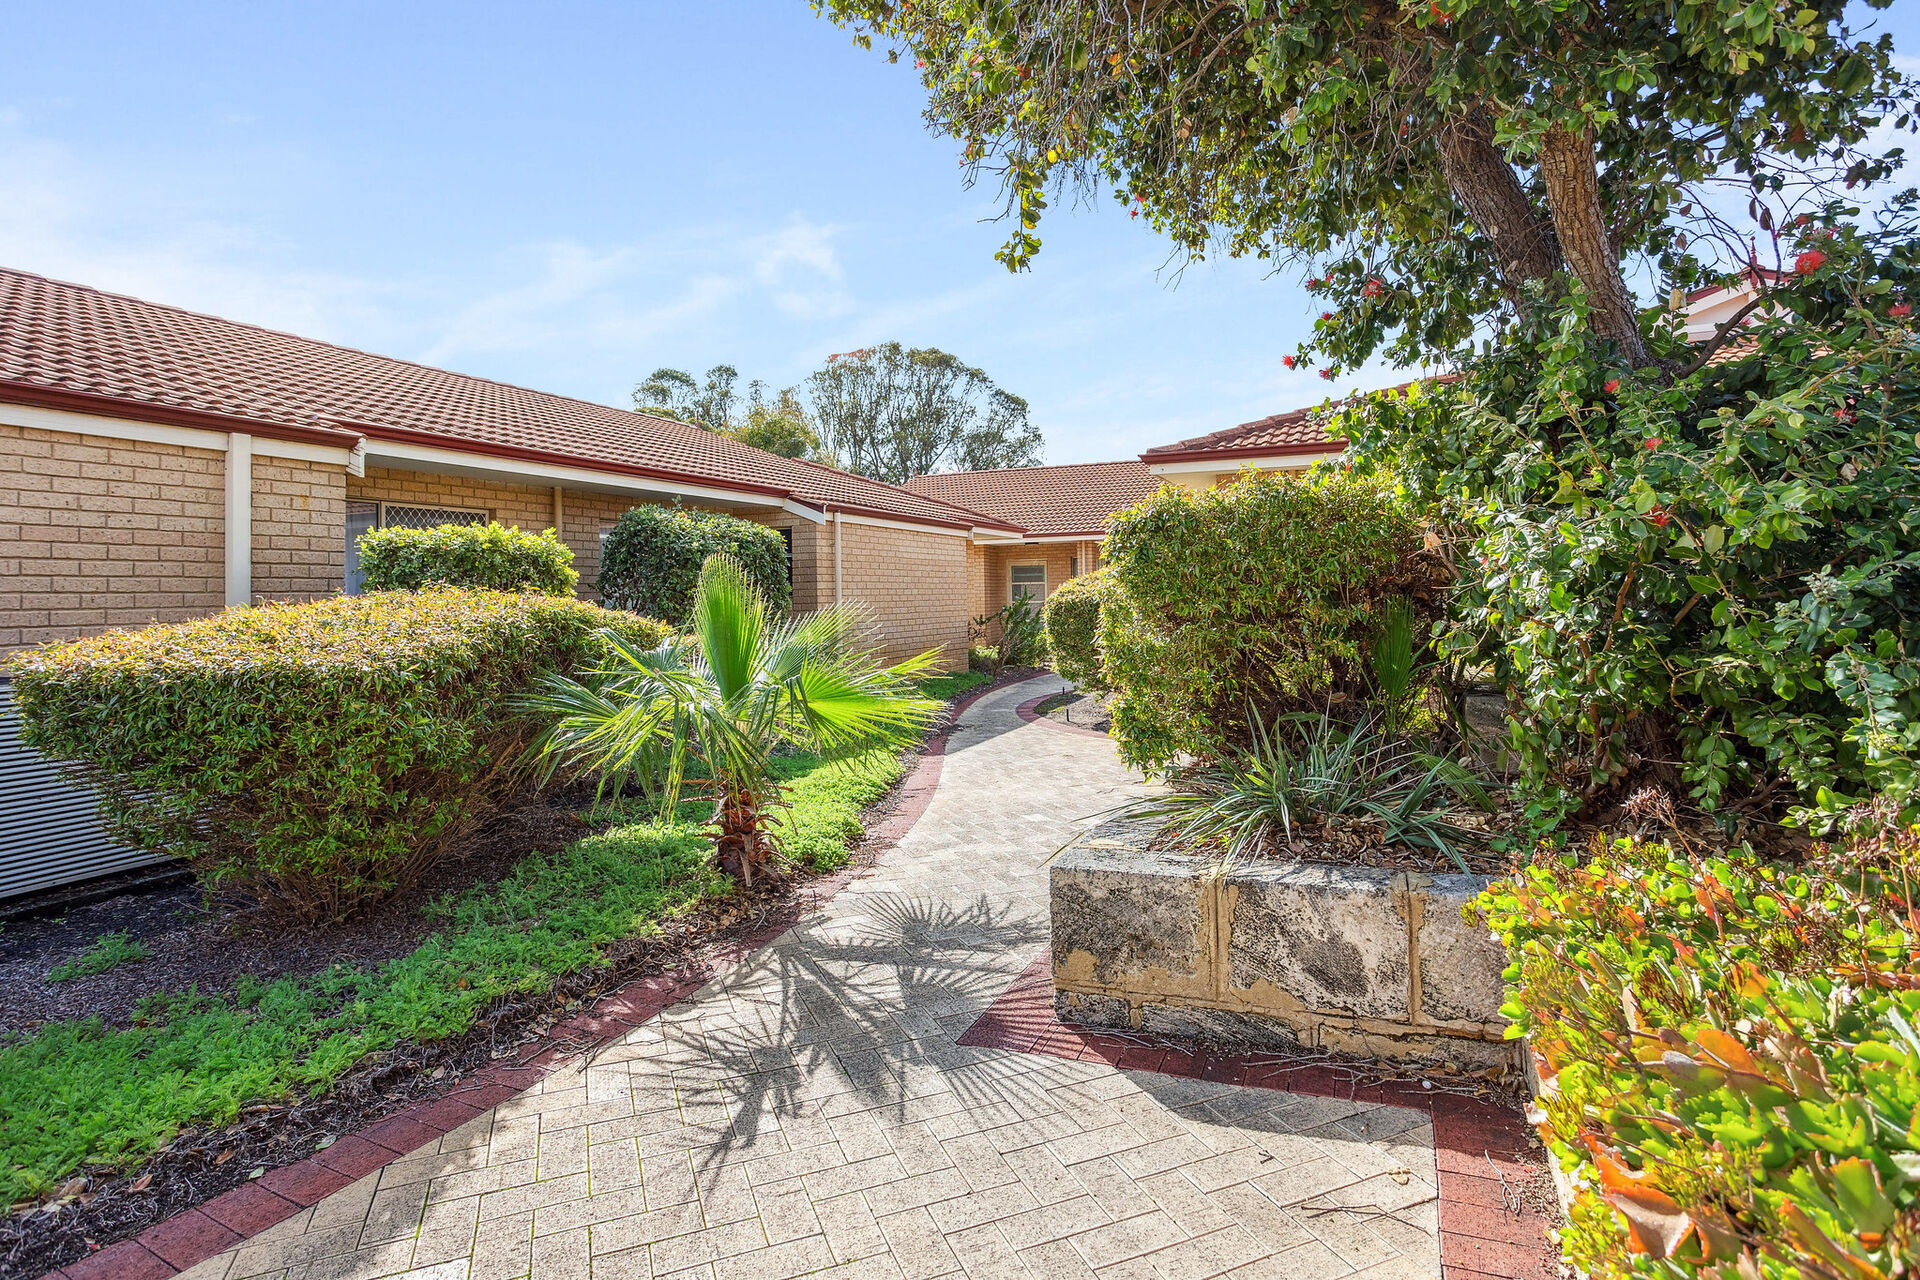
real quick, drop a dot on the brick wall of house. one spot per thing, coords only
(1059, 558)
(979, 565)
(914, 583)
(98, 533)
(299, 528)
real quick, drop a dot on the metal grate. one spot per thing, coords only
(394, 515)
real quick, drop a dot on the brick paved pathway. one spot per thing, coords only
(812, 1110)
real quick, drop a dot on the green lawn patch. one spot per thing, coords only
(947, 688)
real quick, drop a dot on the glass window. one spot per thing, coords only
(1029, 581)
(362, 518)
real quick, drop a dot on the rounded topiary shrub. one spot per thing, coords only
(488, 556)
(1073, 624)
(1266, 595)
(653, 555)
(315, 757)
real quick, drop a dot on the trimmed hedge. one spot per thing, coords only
(313, 756)
(1729, 1056)
(488, 556)
(1073, 627)
(653, 556)
(1266, 594)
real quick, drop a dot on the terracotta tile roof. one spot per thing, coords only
(164, 363)
(1047, 501)
(1296, 431)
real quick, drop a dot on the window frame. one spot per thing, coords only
(350, 588)
(1013, 587)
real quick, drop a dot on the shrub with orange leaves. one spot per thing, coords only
(1729, 1052)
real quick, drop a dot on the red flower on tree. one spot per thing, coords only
(1654, 442)
(1660, 517)
(1327, 374)
(1900, 310)
(1287, 361)
(1326, 315)
(1372, 289)
(1809, 262)
(1612, 385)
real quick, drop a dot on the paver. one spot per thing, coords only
(811, 1109)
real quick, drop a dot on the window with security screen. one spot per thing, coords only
(364, 517)
(1029, 581)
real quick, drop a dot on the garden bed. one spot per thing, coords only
(537, 928)
(1354, 960)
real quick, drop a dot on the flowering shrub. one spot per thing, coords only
(1705, 578)
(1729, 1056)
(490, 556)
(1073, 623)
(313, 756)
(1265, 594)
(653, 555)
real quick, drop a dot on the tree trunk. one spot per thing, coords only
(1481, 179)
(1572, 177)
(741, 846)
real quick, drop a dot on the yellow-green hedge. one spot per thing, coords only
(315, 756)
(490, 556)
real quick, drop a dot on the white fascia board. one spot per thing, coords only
(90, 424)
(512, 470)
(910, 526)
(1229, 466)
(1060, 537)
(812, 515)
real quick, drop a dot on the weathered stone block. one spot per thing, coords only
(1316, 937)
(1184, 1022)
(1122, 917)
(1085, 1009)
(1460, 962)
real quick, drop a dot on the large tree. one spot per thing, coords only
(892, 413)
(677, 394)
(1445, 167)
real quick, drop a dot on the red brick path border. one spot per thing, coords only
(1479, 1149)
(187, 1239)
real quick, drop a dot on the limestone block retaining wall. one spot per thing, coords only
(1348, 959)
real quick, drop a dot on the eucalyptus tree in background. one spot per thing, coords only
(677, 394)
(1443, 167)
(892, 412)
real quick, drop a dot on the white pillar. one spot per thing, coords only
(837, 596)
(239, 518)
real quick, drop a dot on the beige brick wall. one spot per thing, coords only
(915, 585)
(299, 528)
(98, 533)
(1059, 558)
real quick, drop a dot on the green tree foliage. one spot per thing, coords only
(1072, 615)
(1444, 167)
(1264, 595)
(677, 394)
(720, 703)
(314, 756)
(1710, 583)
(779, 426)
(489, 556)
(892, 413)
(651, 561)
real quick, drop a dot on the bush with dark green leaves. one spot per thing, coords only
(489, 556)
(314, 757)
(1073, 625)
(653, 555)
(1704, 579)
(1265, 596)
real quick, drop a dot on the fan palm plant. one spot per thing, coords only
(710, 709)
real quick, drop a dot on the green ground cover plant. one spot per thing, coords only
(315, 757)
(1729, 1053)
(108, 951)
(490, 556)
(651, 562)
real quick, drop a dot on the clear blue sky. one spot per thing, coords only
(567, 195)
